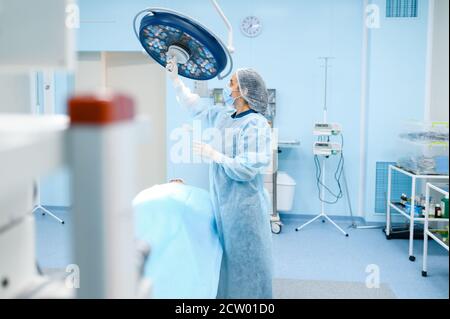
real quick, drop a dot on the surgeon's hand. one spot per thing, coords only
(208, 152)
(184, 95)
(172, 69)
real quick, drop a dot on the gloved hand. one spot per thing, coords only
(184, 95)
(208, 152)
(172, 69)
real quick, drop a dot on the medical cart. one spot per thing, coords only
(432, 233)
(410, 215)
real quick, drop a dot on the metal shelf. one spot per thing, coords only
(417, 176)
(409, 215)
(427, 231)
(437, 239)
(418, 219)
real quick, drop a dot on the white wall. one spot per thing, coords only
(90, 72)
(139, 77)
(15, 93)
(134, 74)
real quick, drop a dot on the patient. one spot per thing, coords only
(177, 221)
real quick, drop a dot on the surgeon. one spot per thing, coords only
(238, 162)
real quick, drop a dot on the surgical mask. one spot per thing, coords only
(228, 98)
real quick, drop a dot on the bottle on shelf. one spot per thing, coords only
(444, 207)
(432, 209)
(438, 211)
(404, 199)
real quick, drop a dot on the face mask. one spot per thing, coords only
(227, 98)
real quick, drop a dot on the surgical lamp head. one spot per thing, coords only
(166, 34)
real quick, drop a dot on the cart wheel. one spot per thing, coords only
(276, 228)
(388, 237)
(323, 221)
(412, 258)
(424, 274)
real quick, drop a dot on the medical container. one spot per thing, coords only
(423, 148)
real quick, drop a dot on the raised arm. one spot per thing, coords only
(192, 102)
(185, 97)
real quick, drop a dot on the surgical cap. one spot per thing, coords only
(253, 89)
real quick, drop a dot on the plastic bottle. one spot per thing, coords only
(404, 199)
(432, 210)
(438, 211)
(444, 207)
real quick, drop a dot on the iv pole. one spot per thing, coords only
(45, 104)
(322, 213)
(42, 208)
(353, 225)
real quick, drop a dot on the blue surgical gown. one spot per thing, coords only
(240, 201)
(177, 221)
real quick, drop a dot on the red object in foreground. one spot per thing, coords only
(100, 109)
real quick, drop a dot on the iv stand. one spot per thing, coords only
(45, 102)
(322, 213)
(42, 208)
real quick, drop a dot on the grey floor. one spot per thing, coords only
(325, 289)
(317, 262)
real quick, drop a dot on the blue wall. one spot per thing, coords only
(397, 87)
(296, 33)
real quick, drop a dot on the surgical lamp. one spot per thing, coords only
(167, 34)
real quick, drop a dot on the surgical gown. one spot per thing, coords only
(240, 201)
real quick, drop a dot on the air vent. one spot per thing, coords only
(401, 8)
(400, 184)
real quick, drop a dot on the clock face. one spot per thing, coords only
(251, 26)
